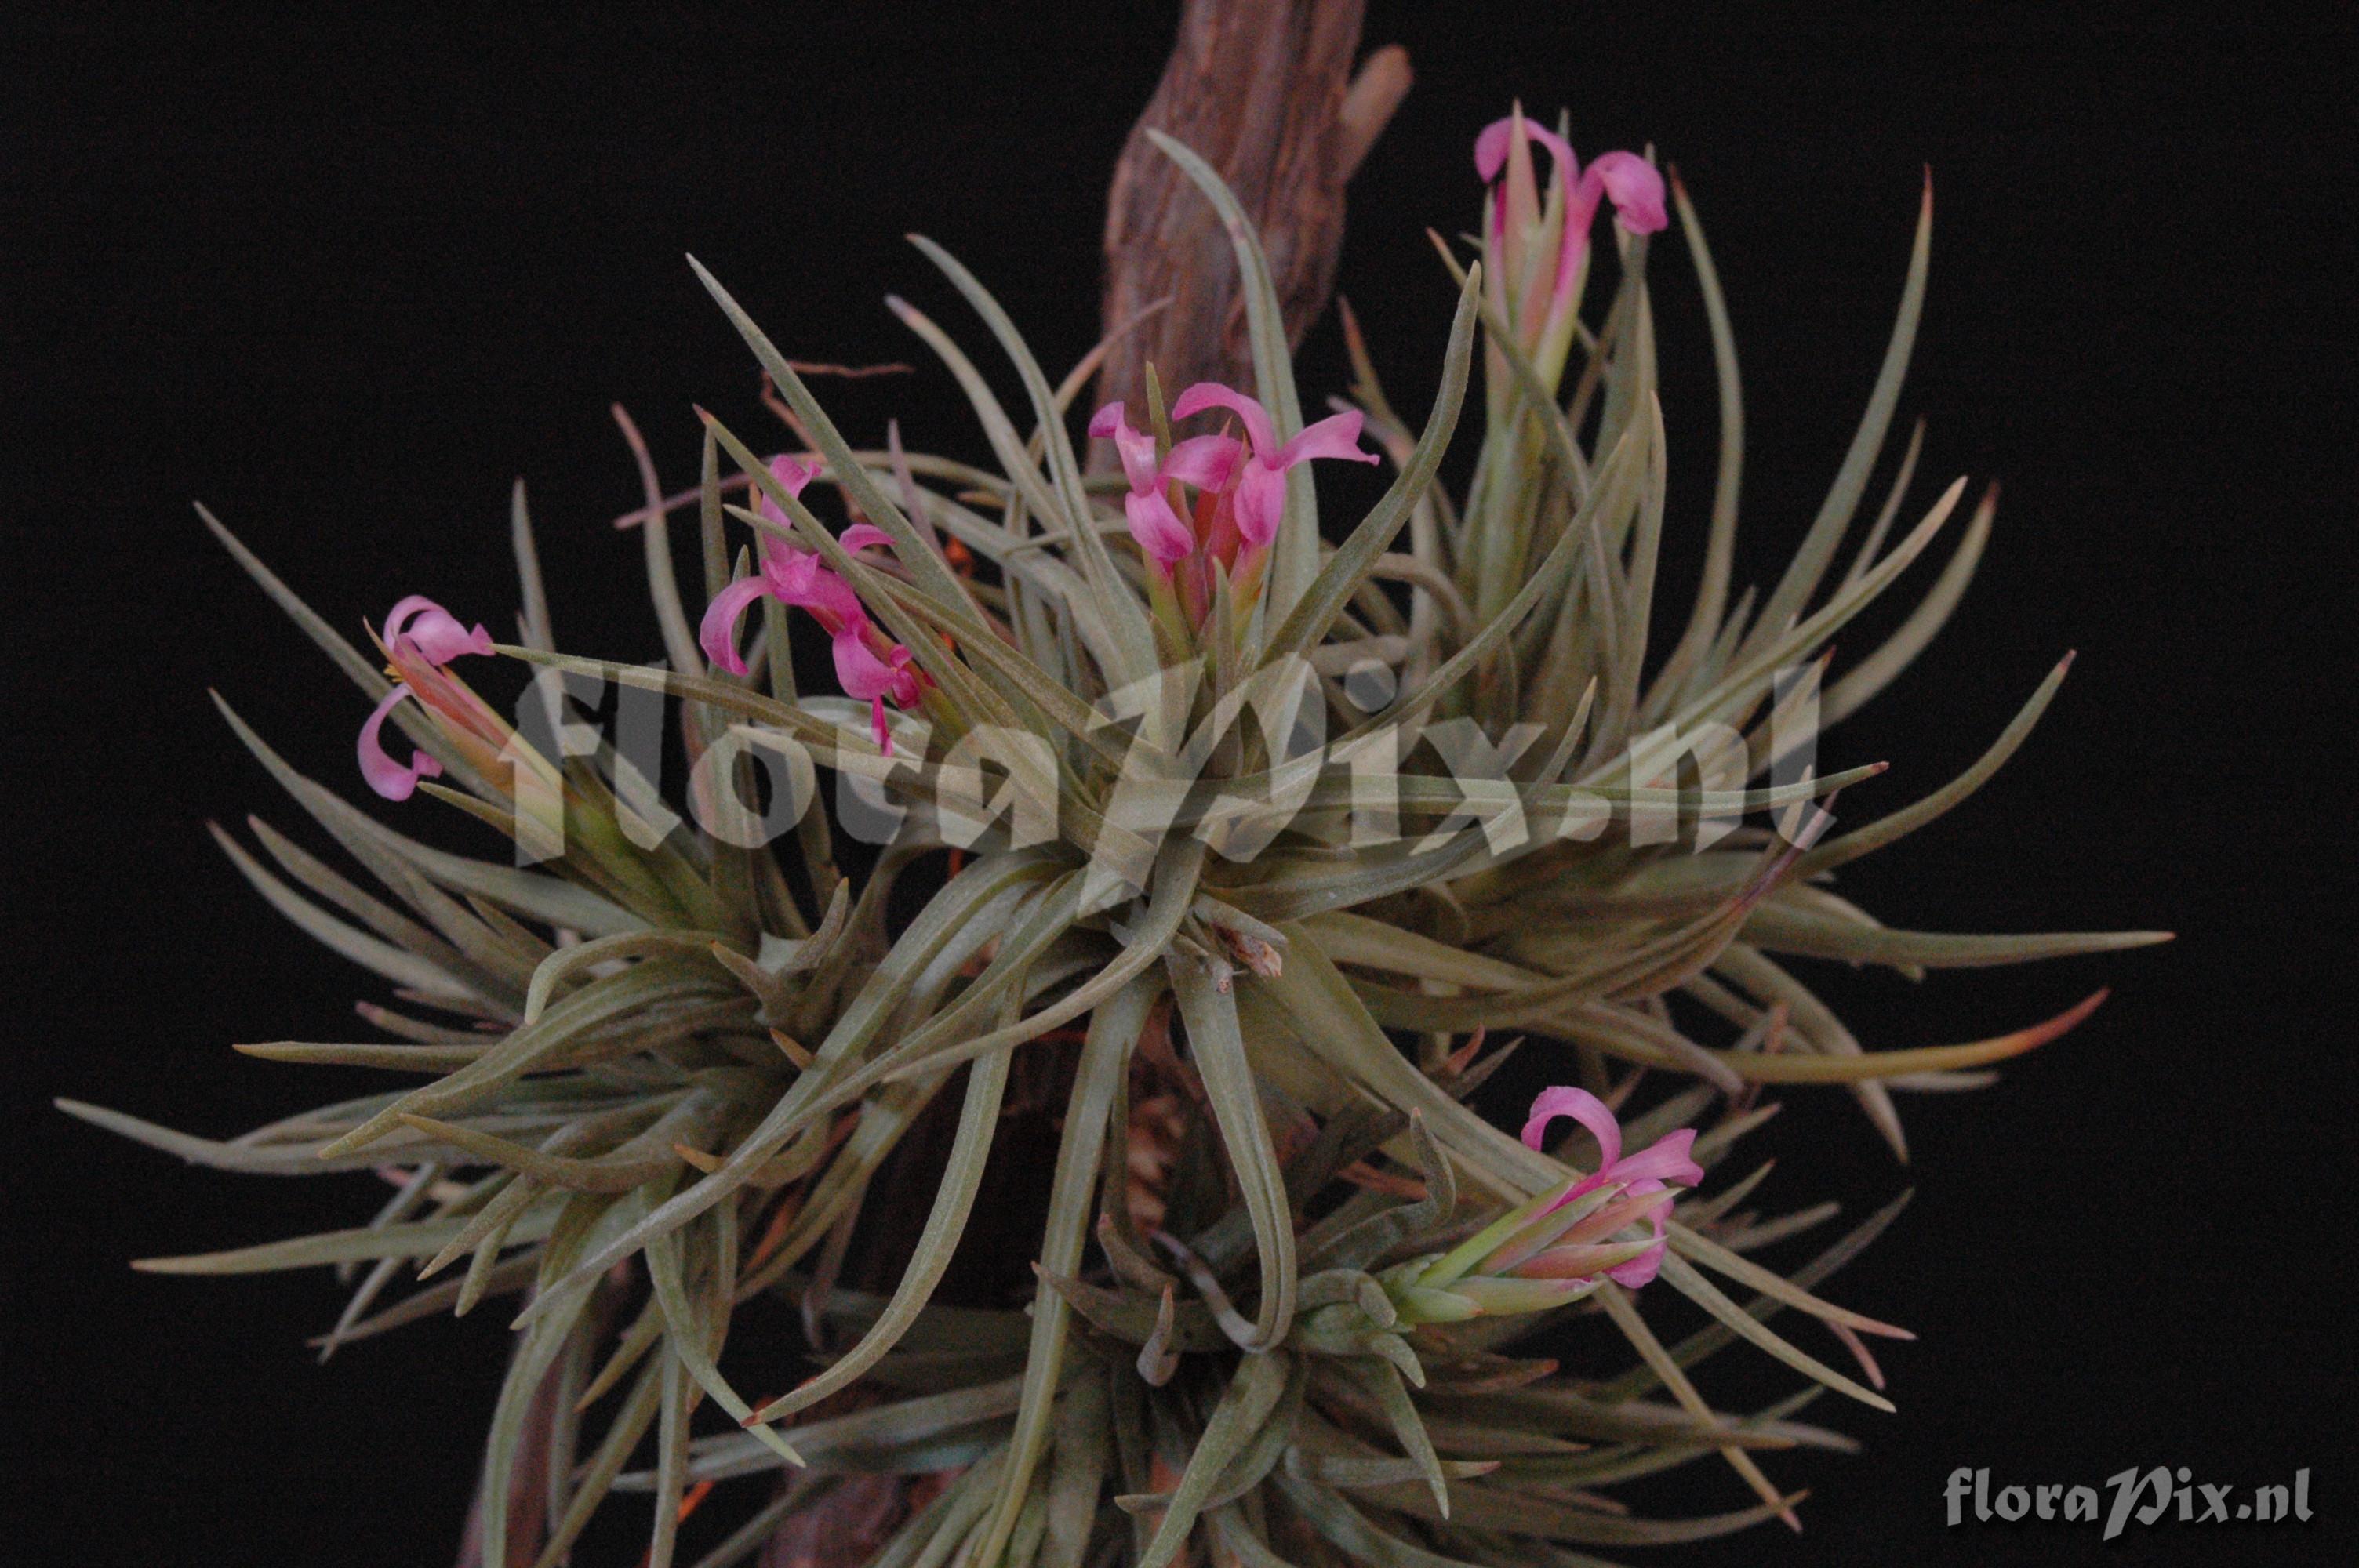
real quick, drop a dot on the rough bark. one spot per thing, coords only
(1263, 90)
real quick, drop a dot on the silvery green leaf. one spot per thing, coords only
(1818, 547)
(1219, 1053)
(1344, 572)
(945, 1223)
(1253, 1392)
(1104, 1062)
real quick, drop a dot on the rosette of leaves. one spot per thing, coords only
(668, 1067)
(1397, 1423)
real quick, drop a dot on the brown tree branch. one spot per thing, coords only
(1264, 91)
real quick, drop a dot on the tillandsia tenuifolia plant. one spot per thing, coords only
(1247, 852)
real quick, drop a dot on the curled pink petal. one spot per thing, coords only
(1204, 461)
(433, 630)
(385, 775)
(1583, 1108)
(1337, 435)
(1665, 1160)
(398, 619)
(792, 478)
(1633, 185)
(1639, 1271)
(1158, 528)
(1137, 448)
(1261, 503)
(441, 639)
(1491, 147)
(717, 635)
(801, 579)
(861, 535)
(1213, 394)
(863, 674)
(857, 668)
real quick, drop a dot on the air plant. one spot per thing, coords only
(1242, 852)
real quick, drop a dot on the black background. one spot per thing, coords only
(343, 285)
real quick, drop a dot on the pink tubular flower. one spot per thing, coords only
(420, 638)
(1154, 523)
(1643, 1177)
(1534, 254)
(1628, 180)
(870, 665)
(1239, 490)
(794, 478)
(1259, 486)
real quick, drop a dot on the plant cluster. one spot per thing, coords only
(1240, 859)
